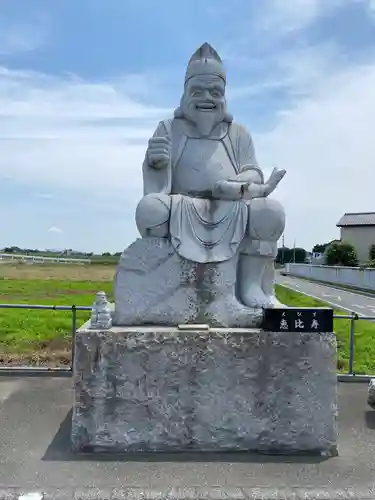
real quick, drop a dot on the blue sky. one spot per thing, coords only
(84, 83)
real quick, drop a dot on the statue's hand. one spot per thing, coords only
(159, 152)
(229, 190)
(273, 181)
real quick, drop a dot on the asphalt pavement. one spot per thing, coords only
(35, 417)
(363, 305)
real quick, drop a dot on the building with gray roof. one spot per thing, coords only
(359, 230)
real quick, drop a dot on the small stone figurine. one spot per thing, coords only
(101, 313)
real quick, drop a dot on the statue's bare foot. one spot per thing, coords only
(255, 297)
(228, 310)
(272, 301)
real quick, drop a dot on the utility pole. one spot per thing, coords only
(282, 249)
(294, 252)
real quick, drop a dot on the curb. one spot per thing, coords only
(190, 493)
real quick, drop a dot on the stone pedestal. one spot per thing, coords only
(164, 389)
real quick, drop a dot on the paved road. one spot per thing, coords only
(363, 305)
(35, 418)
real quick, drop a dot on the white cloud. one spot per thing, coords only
(305, 70)
(21, 37)
(297, 71)
(55, 229)
(285, 16)
(30, 94)
(323, 134)
(279, 18)
(45, 196)
(70, 133)
(371, 5)
(326, 143)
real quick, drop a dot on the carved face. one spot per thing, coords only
(203, 102)
(100, 298)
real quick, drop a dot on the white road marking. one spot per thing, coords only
(330, 295)
(339, 299)
(338, 306)
(344, 291)
(34, 495)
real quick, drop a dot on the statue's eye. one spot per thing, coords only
(215, 93)
(196, 93)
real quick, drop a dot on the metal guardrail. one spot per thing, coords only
(40, 259)
(353, 317)
(41, 369)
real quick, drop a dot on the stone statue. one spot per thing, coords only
(160, 380)
(205, 212)
(101, 313)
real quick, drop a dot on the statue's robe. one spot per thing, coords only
(203, 229)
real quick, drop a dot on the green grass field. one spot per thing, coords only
(364, 345)
(44, 337)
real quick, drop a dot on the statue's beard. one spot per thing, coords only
(204, 121)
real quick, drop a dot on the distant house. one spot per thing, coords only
(316, 258)
(359, 230)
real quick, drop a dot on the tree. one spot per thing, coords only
(285, 254)
(106, 254)
(320, 247)
(12, 250)
(341, 254)
(299, 255)
(280, 258)
(372, 252)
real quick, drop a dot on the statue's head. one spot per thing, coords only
(203, 101)
(101, 298)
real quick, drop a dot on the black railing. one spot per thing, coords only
(39, 369)
(353, 317)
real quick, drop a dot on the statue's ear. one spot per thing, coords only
(178, 113)
(228, 117)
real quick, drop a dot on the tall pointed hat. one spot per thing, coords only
(205, 61)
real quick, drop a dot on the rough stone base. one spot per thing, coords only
(163, 389)
(154, 286)
(371, 393)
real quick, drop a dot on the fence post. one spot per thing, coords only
(351, 342)
(74, 329)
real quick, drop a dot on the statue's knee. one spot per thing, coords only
(152, 215)
(266, 219)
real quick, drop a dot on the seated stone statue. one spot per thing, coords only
(206, 220)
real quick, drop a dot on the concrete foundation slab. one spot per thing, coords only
(35, 455)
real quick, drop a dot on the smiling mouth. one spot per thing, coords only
(206, 106)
